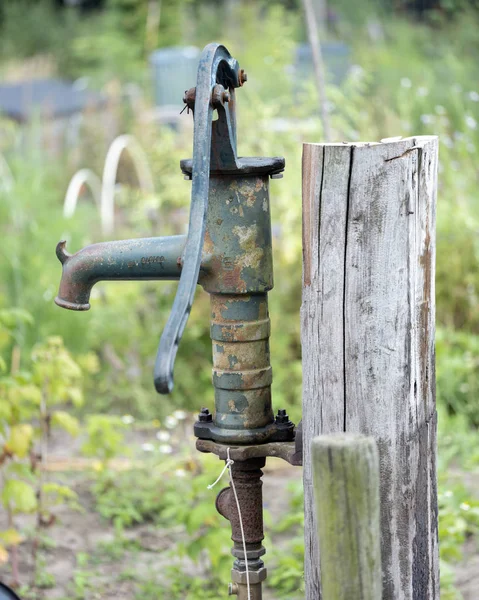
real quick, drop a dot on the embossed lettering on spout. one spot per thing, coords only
(149, 260)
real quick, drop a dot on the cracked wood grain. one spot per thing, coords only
(368, 327)
(346, 491)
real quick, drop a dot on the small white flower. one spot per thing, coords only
(163, 436)
(356, 71)
(406, 125)
(406, 82)
(447, 141)
(128, 419)
(440, 109)
(180, 415)
(422, 91)
(165, 449)
(427, 119)
(147, 447)
(471, 122)
(465, 506)
(448, 493)
(474, 96)
(180, 473)
(171, 422)
(47, 295)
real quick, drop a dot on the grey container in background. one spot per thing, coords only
(336, 57)
(174, 71)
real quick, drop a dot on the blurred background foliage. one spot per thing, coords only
(415, 70)
(410, 75)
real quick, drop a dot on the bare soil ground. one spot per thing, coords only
(84, 553)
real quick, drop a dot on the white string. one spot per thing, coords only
(228, 464)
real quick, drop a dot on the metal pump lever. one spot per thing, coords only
(174, 257)
(218, 75)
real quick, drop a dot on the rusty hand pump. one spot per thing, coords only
(228, 251)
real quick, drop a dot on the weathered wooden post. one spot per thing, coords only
(346, 492)
(368, 338)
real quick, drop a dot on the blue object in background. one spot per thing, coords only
(52, 98)
(7, 594)
(174, 70)
(336, 58)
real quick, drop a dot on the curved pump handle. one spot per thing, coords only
(218, 75)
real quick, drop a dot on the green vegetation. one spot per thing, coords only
(409, 78)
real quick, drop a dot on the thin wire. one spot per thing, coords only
(228, 464)
(241, 522)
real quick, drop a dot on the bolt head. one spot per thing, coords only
(232, 589)
(282, 416)
(226, 96)
(205, 416)
(243, 78)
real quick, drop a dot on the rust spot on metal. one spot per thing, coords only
(247, 237)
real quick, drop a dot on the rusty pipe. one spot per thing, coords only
(247, 477)
(140, 259)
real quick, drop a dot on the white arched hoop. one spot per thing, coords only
(110, 170)
(81, 177)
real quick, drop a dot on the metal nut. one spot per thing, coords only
(205, 416)
(282, 416)
(232, 589)
(254, 576)
(243, 77)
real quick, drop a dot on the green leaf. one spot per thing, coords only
(76, 396)
(20, 440)
(11, 317)
(56, 494)
(66, 421)
(20, 469)
(10, 537)
(19, 496)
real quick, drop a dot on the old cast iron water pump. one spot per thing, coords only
(228, 252)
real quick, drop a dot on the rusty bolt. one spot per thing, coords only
(205, 416)
(282, 416)
(190, 97)
(243, 77)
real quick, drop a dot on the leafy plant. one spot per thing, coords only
(26, 396)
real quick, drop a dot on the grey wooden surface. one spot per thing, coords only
(346, 493)
(368, 322)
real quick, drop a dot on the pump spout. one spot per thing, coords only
(141, 259)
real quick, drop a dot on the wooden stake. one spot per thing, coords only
(368, 338)
(318, 65)
(346, 492)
